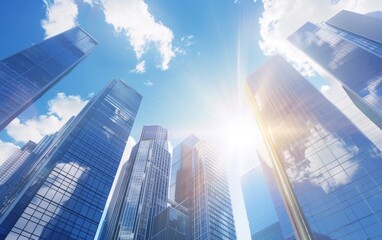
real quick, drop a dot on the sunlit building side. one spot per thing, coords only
(27, 75)
(67, 193)
(349, 48)
(199, 183)
(333, 172)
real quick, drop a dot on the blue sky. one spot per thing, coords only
(189, 59)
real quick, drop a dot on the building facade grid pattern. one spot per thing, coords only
(335, 171)
(67, 196)
(26, 75)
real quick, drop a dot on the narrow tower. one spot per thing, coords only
(142, 193)
(199, 183)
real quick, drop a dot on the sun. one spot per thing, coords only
(241, 133)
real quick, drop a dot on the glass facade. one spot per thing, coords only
(18, 169)
(277, 199)
(10, 166)
(171, 224)
(361, 27)
(66, 195)
(27, 75)
(349, 51)
(263, 221)
(24, 165)
(144, 188)
(199, 183)
(335, 172)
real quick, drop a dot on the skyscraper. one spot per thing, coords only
(66, 195)
(143, 191)
(15, 161)
(349, 48)
(328, 172)
(199, 183)
(263, 221)
(27, 75)
(23, 165)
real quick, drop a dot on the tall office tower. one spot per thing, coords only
(349, 49)
(66, 195)
(262, 218)
(199, 183)
(143, 191)
(27, 75)
(328, 172)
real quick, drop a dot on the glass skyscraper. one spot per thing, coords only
(199, 183)
(143, 191)
(65, 196)
(263, 221)
(328, 172)
(21, 166)
(349, 48)
(27, 75)
(14, 161)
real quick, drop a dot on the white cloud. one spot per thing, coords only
(148, 83)
(283, 17)
(140, 67)
(131, 17)
(90, 2)
(60, 109)
(324, 88)
(6, 149)
(61, 15)
(32, 129)
(180, 50)
(185, 42)
(134, 19)
(66, 106)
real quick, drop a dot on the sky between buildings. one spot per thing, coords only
(189, 59)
